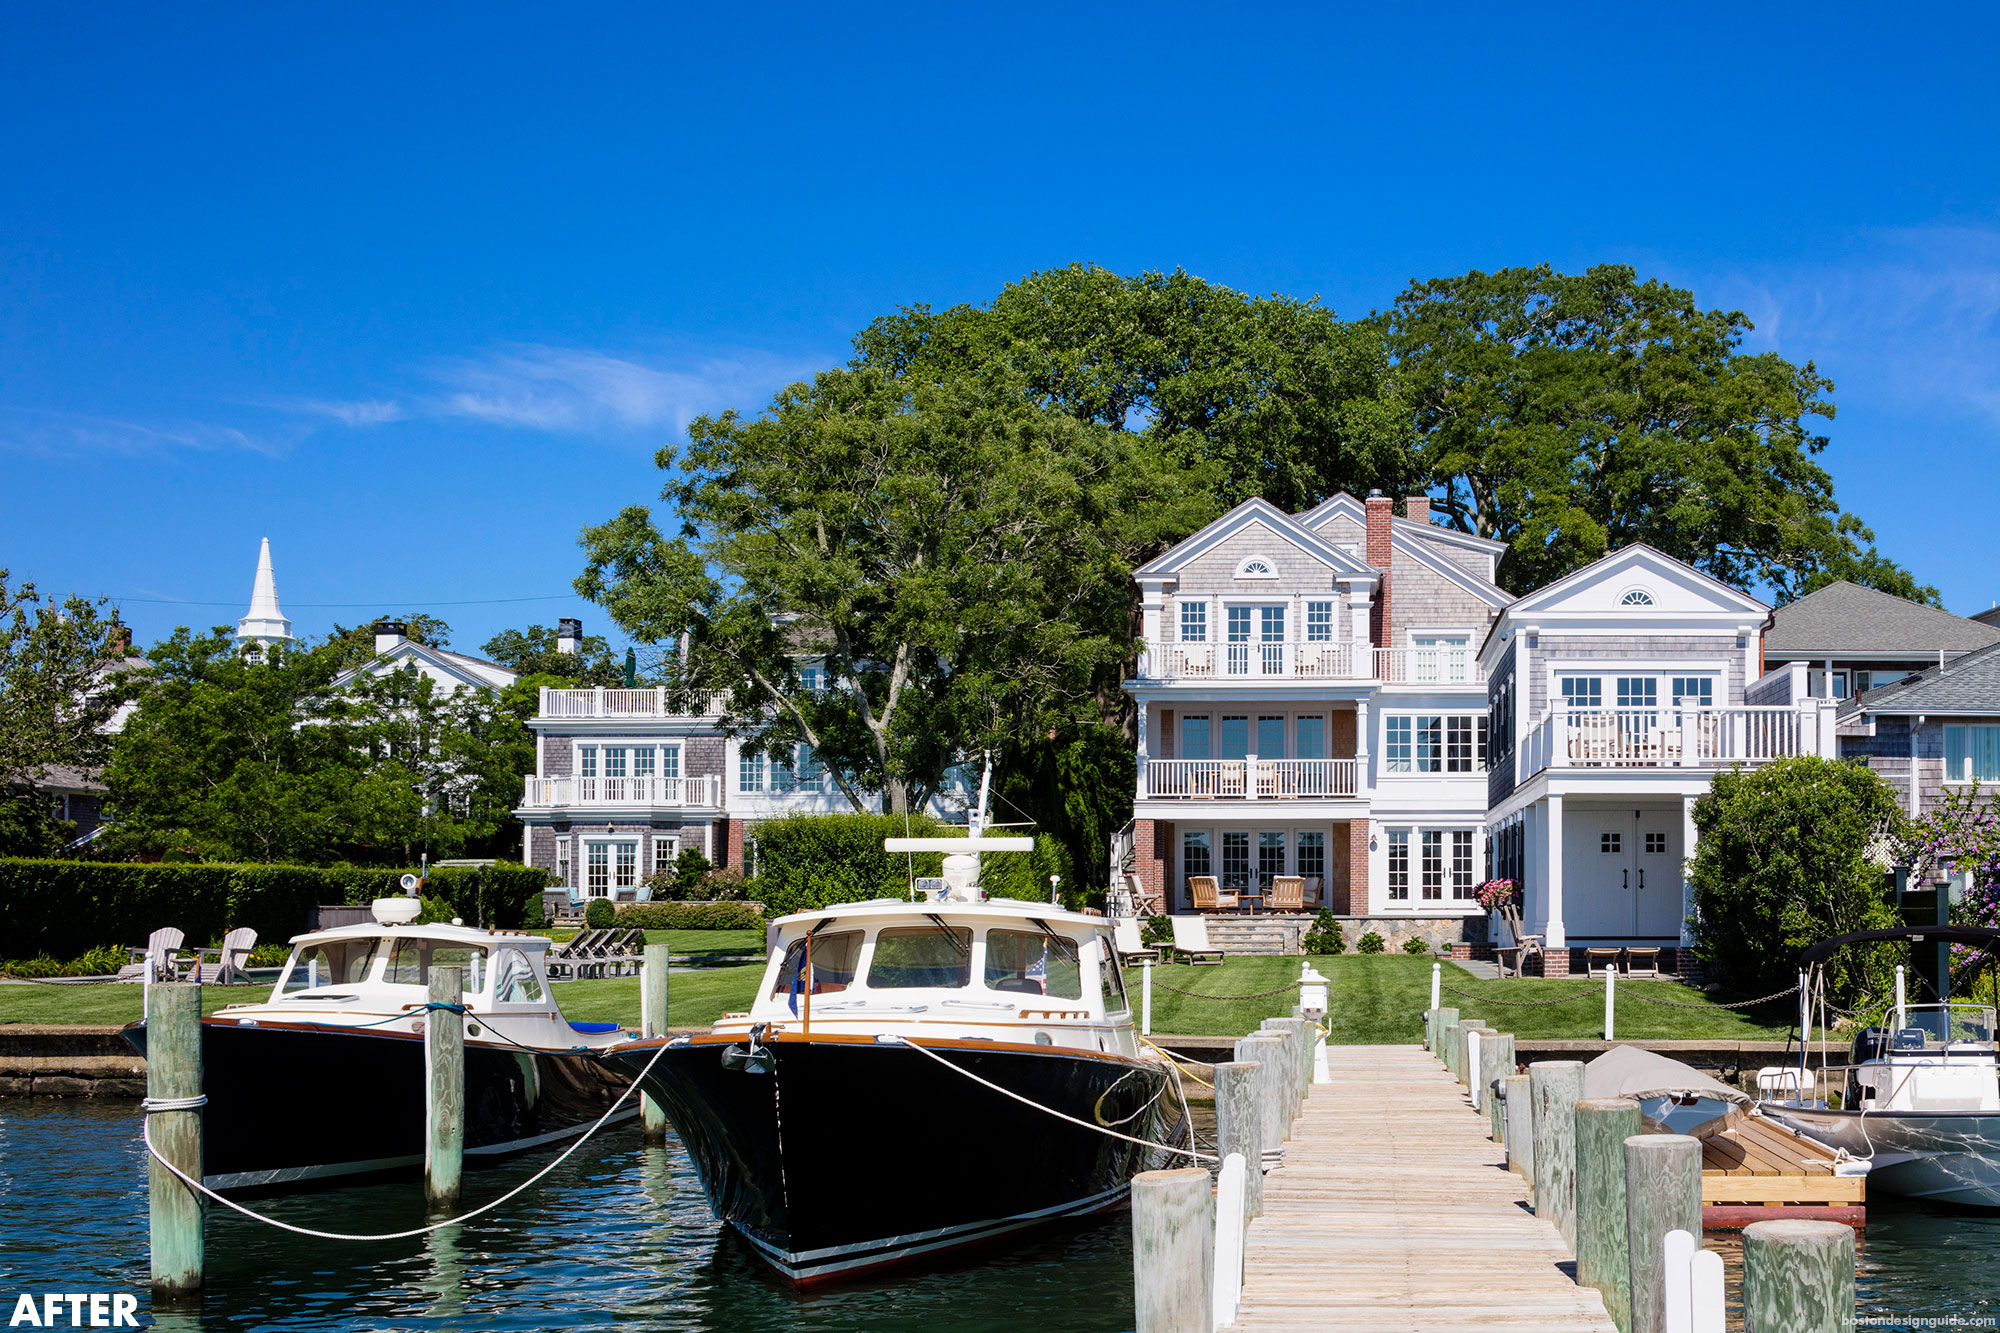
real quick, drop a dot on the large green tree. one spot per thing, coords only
(533, 652)
(897, 571)
(1570, 414)
(1278, 397)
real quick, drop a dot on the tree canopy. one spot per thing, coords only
(532, 652)
(896, 571)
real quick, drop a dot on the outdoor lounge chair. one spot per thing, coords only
(1131, 949)
(1513, 958)
(1191, 940)
(1595, 960)
(226, 966)
(1207, 896)
(1642, 961)
(1288, 893)
(159, 961)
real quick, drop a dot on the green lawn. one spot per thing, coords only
(696, 997)
(103, 1003)
(1183, 1016)
(693, 941)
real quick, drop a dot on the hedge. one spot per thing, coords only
(692, 916)
(66, 908)
(808, 861)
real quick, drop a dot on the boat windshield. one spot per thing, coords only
(1033, 964)
(919, 957)
(331, 963)
(1109, 979)
(1933, 1026)
(411, 961)
(514, 979)
(835, 955)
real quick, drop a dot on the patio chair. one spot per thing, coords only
(1131, 949)
(159, 961)
(1191, 940)
(1196, 660)
(1513, 958)
(1229, 777)
(226, 966)
(1642, 961)
(1314, 896)
(1207, 896)
(1595, 960)
(1267, 778)
(1288, 893)
(555, 903)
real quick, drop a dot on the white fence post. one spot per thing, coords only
(1609, 1001)
(1229, 1239)
(1437, 980)
(1694, 1288)
(1146, 999)
(1705, 1285)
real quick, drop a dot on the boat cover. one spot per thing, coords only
(1627, 1071)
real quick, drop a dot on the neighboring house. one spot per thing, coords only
(1618, 692)
(1990, 616)
(1309, 703)
(1928, 733)
(79, 792)
(395, 651)
(1845, 639)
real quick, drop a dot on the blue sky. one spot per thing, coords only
(416, 291)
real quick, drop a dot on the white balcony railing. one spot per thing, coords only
(1250, 779)
(1324, 660)
(657, 701)
(564, 793)
(1672, 737)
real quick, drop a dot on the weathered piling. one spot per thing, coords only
(173, 1073)
(1430, 1028)
(1466, 1057)
(1291, 1030)
(1519, 1126)
(1496, 1061)
(653, 1023)
(1556, 1087)
(444, 1102)
(1440, 1020)
(1798, 1275)
(1173, 1251)
(1602, 1126)
(1448, 1045)
(1266, 1050)
(1662, 1194)
(1239, 1126)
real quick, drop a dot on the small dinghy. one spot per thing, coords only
(919, 1076)
(326, 1077)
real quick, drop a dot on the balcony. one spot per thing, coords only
(1234, 663)
(627, 793)
(657, 701)
(1250, 779)
(1673, 737)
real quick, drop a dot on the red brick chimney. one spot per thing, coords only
(1381, 510)
(1417, 508)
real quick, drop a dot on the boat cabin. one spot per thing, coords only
(1937, 1057)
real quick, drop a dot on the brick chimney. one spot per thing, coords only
(1381, 509)
(1417, 508)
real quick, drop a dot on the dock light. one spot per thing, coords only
(1312, 993)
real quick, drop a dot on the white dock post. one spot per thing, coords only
(1229, 1222)
(1609, 1003)
(653, 1023)
(1173, 1251)
(1146, 999)
(1437, 983)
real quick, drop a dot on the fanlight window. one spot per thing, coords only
(1256, 567)
(1636, 597)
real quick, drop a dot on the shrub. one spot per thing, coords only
(1372, 942)
(726, 885)
(1157, 930)
(535, 918)
(600, 914)
(1013, 875)
(94, 963)
(1416, 944)
(1782, 861)
(1325, 935)
(808, 861)
(692, 916)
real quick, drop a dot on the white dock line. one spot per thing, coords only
(894, 1039)
(150, 1105)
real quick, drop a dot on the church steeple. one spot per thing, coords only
(265, 623)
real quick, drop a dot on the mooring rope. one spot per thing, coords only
(893, 1039)
(152, 1105)
(1182, 1059)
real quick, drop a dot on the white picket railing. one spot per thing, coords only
(1671, 737)
(1293, 659)
(559, 793)
(1428, 666)
(1249, 779)
(657, 701)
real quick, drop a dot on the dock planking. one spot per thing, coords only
(1394, 1213)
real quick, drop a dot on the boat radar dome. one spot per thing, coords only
(396, 911)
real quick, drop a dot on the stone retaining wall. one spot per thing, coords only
(68, 1061)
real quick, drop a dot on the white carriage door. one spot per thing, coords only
(1656, 874)
(1597, 873)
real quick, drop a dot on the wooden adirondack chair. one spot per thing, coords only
(226, 966)
(1208, 897)
(1513, 958)
(1288, 894)
(159, 960)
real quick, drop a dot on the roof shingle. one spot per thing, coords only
(1845, 617)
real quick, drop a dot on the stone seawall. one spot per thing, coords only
(68, 1061)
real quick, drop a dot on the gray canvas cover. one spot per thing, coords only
(1627, 1071)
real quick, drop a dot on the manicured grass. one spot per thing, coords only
(104, 1003)
(696, 997)
(1184, 1016)
(693, 941)
(1381, 999)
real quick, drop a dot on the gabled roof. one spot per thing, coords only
(1968, 684)
(476, 672)
(1990, 616)
(1251, 511)
(1344, 505)
(1421, 551)
(1845, 617)
(1627, 557)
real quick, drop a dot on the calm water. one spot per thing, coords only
(620, 1237)
(617, 1237)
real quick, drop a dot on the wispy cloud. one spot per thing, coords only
(362, 412)
(569, 389)
(53, 433)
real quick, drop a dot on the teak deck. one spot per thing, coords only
(1752, 1169)
(1394, 1213)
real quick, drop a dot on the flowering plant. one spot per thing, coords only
(1495, 894)
(1963, 833)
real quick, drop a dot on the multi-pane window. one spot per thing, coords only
(750, 772)
(627, 864)
(1235, 738)
(597, 868)
(1396, 744)
(1971, 754)
(1439, 658)
(1399, 865)
(1194, 622)
(1194, 738)
(1694, 691)
(614, 761)
(1319, 622)
(1638, 692)
(1239, 640)
(664, 852)
(1271, 737)
(1312, 855)
(670, 761)
(1271, 638)
(1434, 743)
(586, 761)
(812, 773)
(1433, 867)
(1430, 743)
(562, 863)
(1610, 843)
(1582, 691)
(810, 678)
(1270, 856)
(1458, 749)
(1236, 860)
(1461, 863)
(1195, 856)
(1310, 736)
(1656, 844)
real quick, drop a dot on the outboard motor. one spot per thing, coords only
(1869, 1044)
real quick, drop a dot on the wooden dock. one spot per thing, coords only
(1393, 1213)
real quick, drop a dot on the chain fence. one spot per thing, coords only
(1596, 992)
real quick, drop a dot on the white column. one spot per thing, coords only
(1687, 855)
(1364, 777)
(1145, 707)
(1152, 648)
(1554, 935)
(1363, 664)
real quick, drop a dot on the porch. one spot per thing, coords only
(543, 795)
(1674, 737)
(1310, 660)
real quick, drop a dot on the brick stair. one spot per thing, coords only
(1257, 934)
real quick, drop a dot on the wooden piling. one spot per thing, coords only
(173, 1072)
(1239, 1126)
(1496, 1062)
(1662, 1194)
(1519, 1127)
(1430, 1028)
(1448, 1044)
(444, 1104)
(1266, 1051)
(1798, 1275)
(1173, 1251)
(1291, 1031)
(1602, 1261)
(653, 1023)
(1440, 1020)
(1556, 1086)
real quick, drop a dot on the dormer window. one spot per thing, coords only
(1256, 567)
(1636, 597)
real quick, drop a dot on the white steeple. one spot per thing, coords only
(265, 623)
